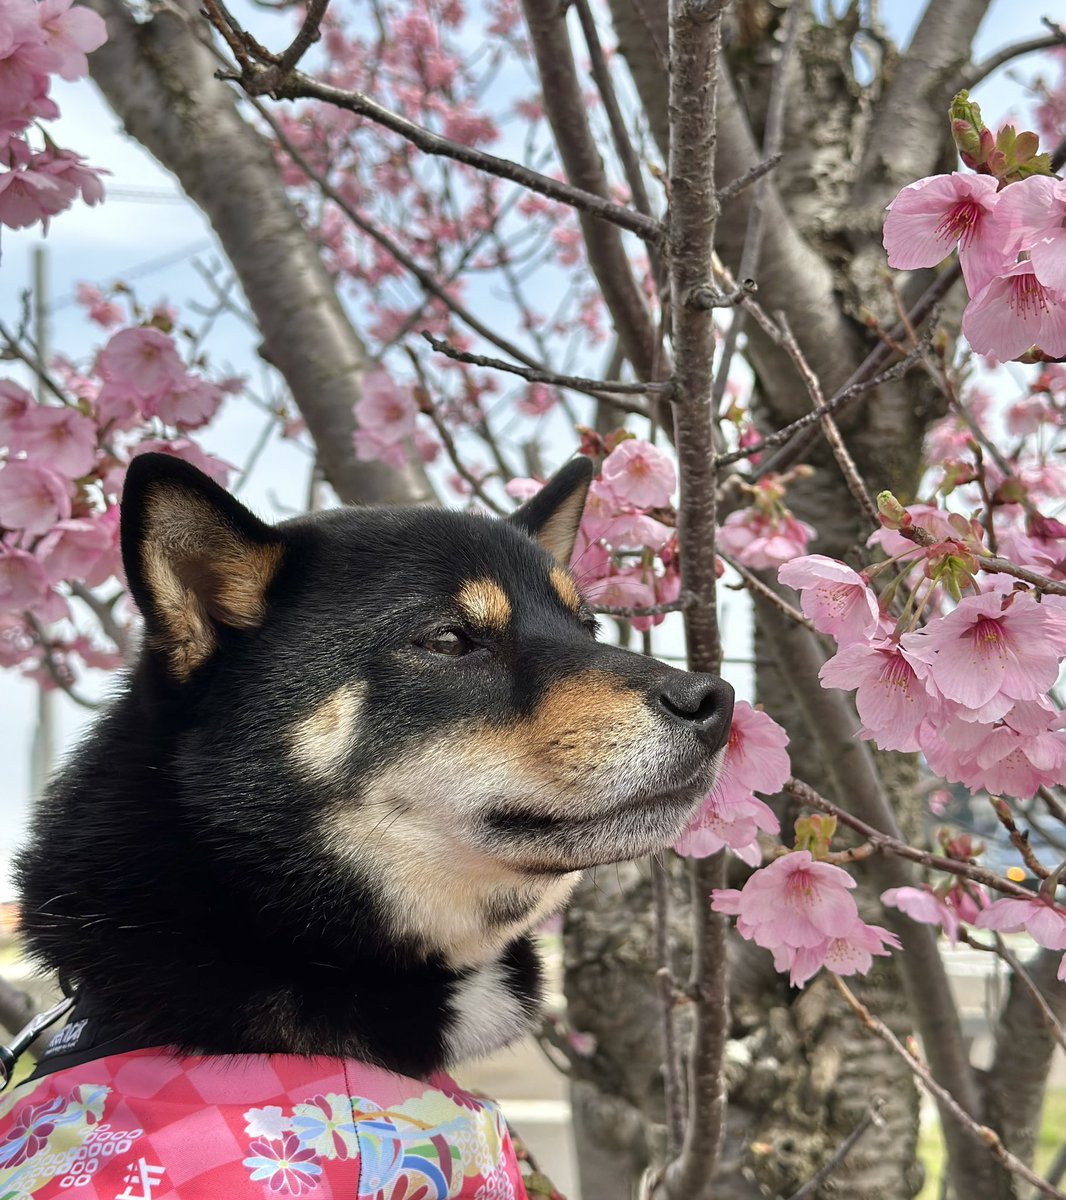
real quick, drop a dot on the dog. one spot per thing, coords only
(292, 873)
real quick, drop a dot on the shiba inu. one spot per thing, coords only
(363, 753)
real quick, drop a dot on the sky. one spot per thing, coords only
(147, 234)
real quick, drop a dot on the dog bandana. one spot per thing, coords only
(149, 1125)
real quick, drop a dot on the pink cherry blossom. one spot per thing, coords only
(849, 952)
(23, 583)
(371, 447)
(755, 756)
(538, 400)
(624, 589)
(1031, 214)
(32, 498)
(386, 412)
(522, 489)
(891, 699)
(924, 905)
(928, 218)
(143, 360)
(793, 902)
(64, 437)
(84, 548)
(69, 34)
(728, 820)
(189, 404)
(759, 540)
(991, 646)
(639, 474)
(15, 405)
(836, 599)
(29, 196)
(1044, 922)
(101, 310)
(1013, 312)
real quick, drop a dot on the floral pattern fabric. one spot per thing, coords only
(150, 1125)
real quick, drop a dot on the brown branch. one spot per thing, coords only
(1019, 839)
(1052, 803)
(258, 80)
(829, 427)
(309, 33)
(805, 794)
(566, 111)
(743, 182)
(837, 401)
(1003, 566)
(646, 610)
(672, 1077)
(973, 75)
(978, 1132)
(577, 383)
(695, 40)
(104, 611)
(1001, 950)
(755, 584)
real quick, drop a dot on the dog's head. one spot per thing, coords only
(416, 697)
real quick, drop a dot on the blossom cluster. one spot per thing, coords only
(63, 458)
(37, 41)
(1007, 221)
(626, 550)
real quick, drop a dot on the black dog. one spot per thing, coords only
(363, 753)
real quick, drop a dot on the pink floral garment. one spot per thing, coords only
(148, 1125)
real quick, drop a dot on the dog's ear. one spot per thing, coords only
(195, 558)
(554, 513)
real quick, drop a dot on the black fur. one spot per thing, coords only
(177, 869)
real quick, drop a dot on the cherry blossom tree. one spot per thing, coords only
(771, 294)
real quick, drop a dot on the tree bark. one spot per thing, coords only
(158, 76)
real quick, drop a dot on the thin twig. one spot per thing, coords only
(872, 1117)
(104, 611)
(1051, 802)
(577, 383)
(672, 1078)
(783, 435)
(755, 584)
(260, 80)
(743, 182)
(1000, 948)
(973, 75)
(646, 610)
(829, 427)
(953, 866)
(980, 1133)
(1019, 839)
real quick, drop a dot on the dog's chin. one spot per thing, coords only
(641, 824)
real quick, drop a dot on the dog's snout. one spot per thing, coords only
(701, 702)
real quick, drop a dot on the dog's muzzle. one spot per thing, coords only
(700, 703)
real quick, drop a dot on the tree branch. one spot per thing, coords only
(973, 75)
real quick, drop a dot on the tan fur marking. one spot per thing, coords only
(559, 531)
(199, 569)
(321, 740)
(485, 603)
(566, 588)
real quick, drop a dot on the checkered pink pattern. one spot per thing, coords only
(150, 1125)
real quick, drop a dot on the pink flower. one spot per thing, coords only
(836, 598)
(370, 447)
(639, 474)
(143, 360)
(538, 400)
(849, 952)
(86, 549)
(32, 498)
(1032, 214)
(15, 405)
(1045, 923)
(22, 580)
(991, 646)
(758, 540)
(793, 902)
(728, 820)
(101, 310)
(755, 755)
(922, 904)
(385, 411)
(29, 196)
(70, 33)
(190, 404)
(625, 589)
(63, 437)
(891, 699)
(929, 218)
(522, 489)
(1014, 312)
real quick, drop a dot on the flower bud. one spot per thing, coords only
(893, 514)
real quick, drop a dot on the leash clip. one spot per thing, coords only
(13, 1051)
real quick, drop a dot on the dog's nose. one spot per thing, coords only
(703, 703)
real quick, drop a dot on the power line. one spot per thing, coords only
(140, 270)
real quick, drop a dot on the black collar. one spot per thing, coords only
(88, 1034)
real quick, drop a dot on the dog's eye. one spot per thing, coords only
(452, 642)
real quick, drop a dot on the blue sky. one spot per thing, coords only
(148, 234)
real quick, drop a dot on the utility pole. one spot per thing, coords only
(43, 749)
